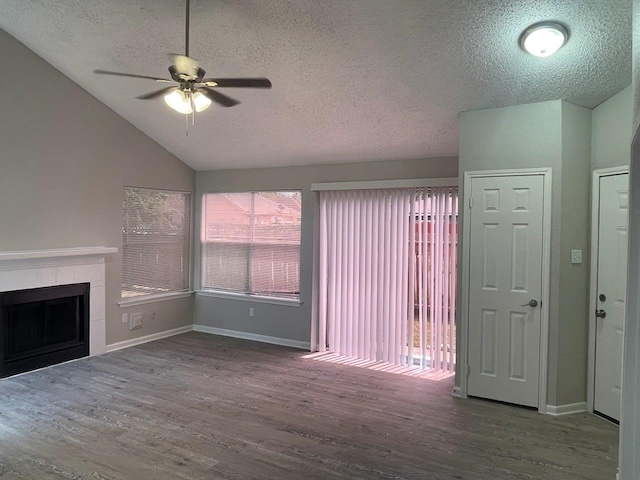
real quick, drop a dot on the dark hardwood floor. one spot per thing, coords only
(206, 407)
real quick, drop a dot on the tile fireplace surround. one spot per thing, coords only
(45, 268)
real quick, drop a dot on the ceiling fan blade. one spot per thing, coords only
(238, 82)
(155, 94)
(133, 75)
(218, 97)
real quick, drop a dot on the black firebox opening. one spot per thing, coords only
(43, 326)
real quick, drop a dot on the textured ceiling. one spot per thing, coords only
(354, 80)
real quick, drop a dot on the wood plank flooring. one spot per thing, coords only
(198, 406)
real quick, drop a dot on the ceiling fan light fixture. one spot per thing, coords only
(543, 39)
(193, 92)
(179, 101)
(201, 102)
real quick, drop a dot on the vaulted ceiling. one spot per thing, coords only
(353, 80)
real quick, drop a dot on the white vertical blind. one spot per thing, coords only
(386, 290)
(436, 224)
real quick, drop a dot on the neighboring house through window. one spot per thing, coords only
(251, 243)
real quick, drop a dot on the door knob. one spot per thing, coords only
(532, 303)
(601, 313)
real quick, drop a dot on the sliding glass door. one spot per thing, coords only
(387, 273)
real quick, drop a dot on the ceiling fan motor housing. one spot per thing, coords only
(179, 76)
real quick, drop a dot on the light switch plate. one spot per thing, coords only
(576, 256)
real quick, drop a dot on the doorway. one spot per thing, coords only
(505, 285)
(609, 239)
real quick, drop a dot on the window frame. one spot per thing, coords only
(287, 300)
(173, 294)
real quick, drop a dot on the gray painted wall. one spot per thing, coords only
(629, 424)
(575, 234)
(635, 66)
(630, 418)
(64, 161)
(611, 131)
(289, 322)
(557, 135)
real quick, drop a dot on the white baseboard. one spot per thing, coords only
(557, 410)
(148, 338)
(286, 342)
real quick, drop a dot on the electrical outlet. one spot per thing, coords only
(251, 311)
(135, 321)
(125, 318)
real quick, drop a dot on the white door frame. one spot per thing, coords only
(463, 337)
(593, 282)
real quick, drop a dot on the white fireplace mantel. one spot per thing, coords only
(20, 270)
(56, 253)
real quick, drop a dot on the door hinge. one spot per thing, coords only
(468, 370)
(470, 202)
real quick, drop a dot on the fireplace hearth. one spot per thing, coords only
(43, 326)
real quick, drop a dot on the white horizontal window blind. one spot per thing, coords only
(155, 242)
(251, 243)
(387, 272)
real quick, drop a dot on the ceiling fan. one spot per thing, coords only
(193, 92)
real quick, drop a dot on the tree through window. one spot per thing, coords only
(155, 241)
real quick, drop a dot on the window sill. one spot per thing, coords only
(249, 298)
(161, 297)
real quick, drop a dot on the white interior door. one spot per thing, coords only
(610, 292)
(505, 288)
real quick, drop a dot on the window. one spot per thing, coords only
(155, 242)
(251, 243)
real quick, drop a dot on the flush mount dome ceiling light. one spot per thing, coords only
(544, 38)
